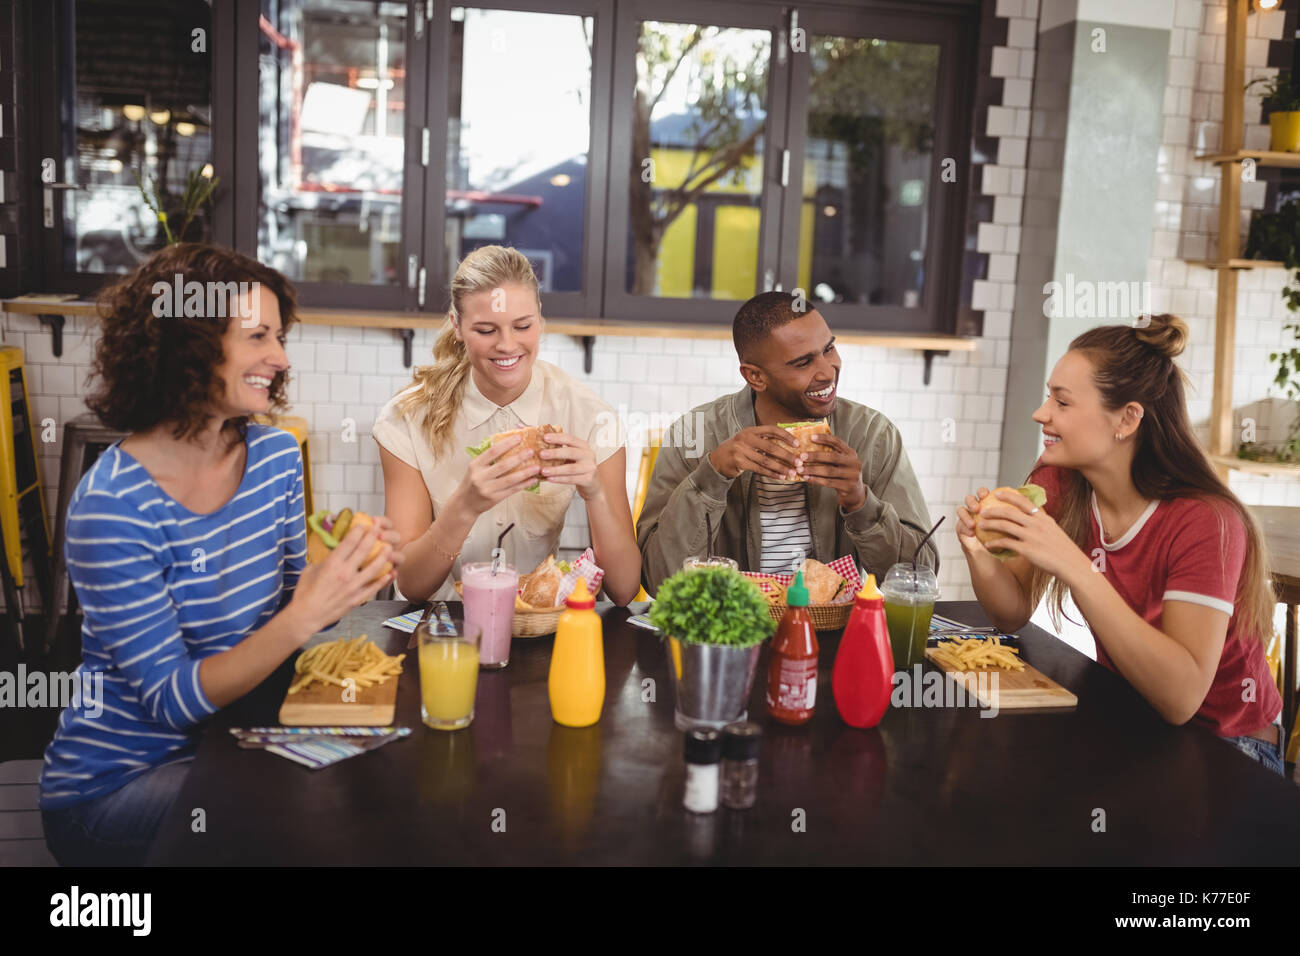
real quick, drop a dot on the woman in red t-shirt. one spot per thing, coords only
(1163, 560)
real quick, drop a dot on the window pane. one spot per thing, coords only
(331, 143)
(518, 132)
(870, 140)
(698, 117)
(141, 104)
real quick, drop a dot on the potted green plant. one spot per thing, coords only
(1275, 235)
(1279, 97)
(714, 621)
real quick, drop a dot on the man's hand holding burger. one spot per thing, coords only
(837, 467)
(767, 450)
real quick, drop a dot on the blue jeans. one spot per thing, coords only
(1270, 755)
(115, 829)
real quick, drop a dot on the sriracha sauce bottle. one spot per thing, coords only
(792, 669)
(863, 677)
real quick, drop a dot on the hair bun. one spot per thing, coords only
(1167, 334)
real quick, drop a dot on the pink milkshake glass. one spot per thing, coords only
(490, 605)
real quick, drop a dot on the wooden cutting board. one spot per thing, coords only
(1016, 690)
(322, 705)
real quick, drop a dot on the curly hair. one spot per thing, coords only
(153, 369)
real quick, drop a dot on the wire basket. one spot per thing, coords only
(825, 617)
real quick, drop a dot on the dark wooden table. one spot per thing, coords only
(1281, 528)
(928, 786)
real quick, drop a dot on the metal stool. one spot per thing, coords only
(84, 440)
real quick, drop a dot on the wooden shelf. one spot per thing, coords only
(1282, 469)
(1237, 263)
(583, 328)
(1262, 157)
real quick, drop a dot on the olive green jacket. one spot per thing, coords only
(685, 487)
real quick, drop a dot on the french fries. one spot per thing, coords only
(965, 654)
(337, 661)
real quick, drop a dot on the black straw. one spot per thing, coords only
(923, 541)
(708, 537)
(496, 559)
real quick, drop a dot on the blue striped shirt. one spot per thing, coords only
(161, 588)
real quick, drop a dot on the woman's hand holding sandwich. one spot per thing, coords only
(571, 462)
(330, 588)
(495, 475)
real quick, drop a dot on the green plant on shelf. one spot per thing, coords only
(1276, 236)
(199, 187)
(1277, 94)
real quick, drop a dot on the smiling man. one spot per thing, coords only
(770, 504)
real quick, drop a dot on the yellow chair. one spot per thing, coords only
(297, 427)
(649, 455)
(1274, 657)
(23, 523)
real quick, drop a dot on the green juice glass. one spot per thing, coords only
(909, 595)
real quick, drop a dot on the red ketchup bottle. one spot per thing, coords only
(863, 677)
(792, 669)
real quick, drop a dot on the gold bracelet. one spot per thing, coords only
(447, 554)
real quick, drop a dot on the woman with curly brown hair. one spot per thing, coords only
(1163, 560)
(186, 543)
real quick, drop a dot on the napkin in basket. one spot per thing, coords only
(585, 567)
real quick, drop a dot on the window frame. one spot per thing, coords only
(619, 304)
(560, 305)
(50, 69)
(402, 296)
(234, 44)
(944, 27)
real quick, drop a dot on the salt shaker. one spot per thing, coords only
(703, 750)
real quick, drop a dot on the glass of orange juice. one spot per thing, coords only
(448, 676)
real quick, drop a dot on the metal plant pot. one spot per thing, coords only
(711, 682)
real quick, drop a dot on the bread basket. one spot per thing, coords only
(825, 617)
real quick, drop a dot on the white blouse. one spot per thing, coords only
(553, 397)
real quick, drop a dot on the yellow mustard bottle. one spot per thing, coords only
(576, 682)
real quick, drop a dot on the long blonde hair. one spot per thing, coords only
(1136, 364)
(441, 386)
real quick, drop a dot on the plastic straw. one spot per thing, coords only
(923, 541)
(498, 555)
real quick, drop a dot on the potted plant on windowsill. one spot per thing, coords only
(1283, 104)
(714, 621)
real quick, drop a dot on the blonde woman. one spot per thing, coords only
(486, 378)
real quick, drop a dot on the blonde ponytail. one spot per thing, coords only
(440, 387)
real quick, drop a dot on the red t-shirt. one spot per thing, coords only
(1186, 549)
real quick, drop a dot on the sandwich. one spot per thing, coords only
(326, 530)
(823, 584)
(1034, 493)
(533, 441)
(803, 433)
(540, 589)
